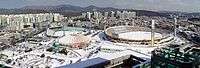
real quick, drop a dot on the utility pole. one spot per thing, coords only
(152, 32)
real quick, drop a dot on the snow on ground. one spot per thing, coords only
(120, 48)
(59, 33)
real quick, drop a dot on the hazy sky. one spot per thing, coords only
(172, 5)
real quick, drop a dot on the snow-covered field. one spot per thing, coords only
(139, 35)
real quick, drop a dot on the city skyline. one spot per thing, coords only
(99, 34)
(156, 5)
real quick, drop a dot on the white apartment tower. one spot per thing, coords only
(105, 14)
(112, 14)
(89, 15)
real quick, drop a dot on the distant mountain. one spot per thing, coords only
(103, 9)
(55, 8)
(171, 12)
(70, 10)
(181, 14)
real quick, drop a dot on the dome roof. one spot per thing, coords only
(74, 39)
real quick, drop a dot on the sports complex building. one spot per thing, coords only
(137, 35)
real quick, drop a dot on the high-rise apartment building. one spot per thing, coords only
(21, 21)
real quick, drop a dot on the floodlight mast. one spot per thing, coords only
(152, 32)
(175, 23)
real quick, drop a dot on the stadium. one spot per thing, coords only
(136, 35)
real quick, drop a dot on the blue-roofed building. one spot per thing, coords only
(91, 63)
